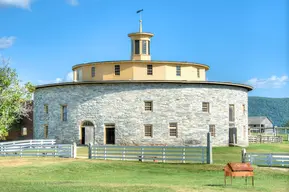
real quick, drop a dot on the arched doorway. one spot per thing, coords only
(86, 133)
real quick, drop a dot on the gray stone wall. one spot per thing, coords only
(123, 105)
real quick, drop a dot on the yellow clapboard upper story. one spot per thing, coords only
(140, 67)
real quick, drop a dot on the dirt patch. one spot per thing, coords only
(280, 169)
(14, 163)
(17, 162)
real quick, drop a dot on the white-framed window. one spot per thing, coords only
(178, 70)
(148, 105)
(149, 69)
(23, 131)
(173, 128)
(206, 107)
(79, 75)
(92, 71)
(212, 130)
(148, 130)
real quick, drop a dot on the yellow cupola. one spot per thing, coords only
(140, 43)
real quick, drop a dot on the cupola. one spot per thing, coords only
(140, 43)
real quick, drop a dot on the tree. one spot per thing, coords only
(14, 98)
(286, 124)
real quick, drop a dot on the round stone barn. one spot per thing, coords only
(142, 102)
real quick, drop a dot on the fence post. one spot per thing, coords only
(89, 151)
(209, 149)
(104, 152)
(184, 155)
(140, 157)
(243, 155)
(270, 159)
(123, 153)
(20, 150)
(74, 150)
(164, 155)
(203, 155)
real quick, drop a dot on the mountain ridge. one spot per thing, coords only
(277, 109)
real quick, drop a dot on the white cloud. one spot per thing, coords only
(68, 78)
(72, 2)
(271, 82)
(58, 80)
(6, 42)
(25, 4)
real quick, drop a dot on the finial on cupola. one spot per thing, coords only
(140, 21)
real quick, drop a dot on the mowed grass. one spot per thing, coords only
(57, 175)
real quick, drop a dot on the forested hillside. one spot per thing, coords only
(277, 109)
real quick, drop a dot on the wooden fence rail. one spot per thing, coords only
(57, 150)
(266, 159)
(30, 142)
(183, 154)
(265, 139)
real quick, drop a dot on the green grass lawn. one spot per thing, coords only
(57, 175)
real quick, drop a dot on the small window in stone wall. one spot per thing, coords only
(244, 109)
(212, 130)
(198, 73)
(23, 131)
(173, 129)
(46, 109)
(231, 112)
(148, 130)
(45, 131)
(64, 112)
(206, 107)
(148, 105)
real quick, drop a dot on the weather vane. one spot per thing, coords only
(140, 21)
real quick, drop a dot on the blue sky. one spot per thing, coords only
(243, 41)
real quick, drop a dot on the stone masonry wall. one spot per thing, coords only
(123, 105)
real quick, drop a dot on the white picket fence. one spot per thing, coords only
(30, 142)
(173, 154)
(37, 148)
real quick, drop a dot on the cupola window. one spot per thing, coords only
(79, 75)
(149, 45)
(144, 47)
(136, 47)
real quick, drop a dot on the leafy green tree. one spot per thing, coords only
(286, 124)
(14, 98)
